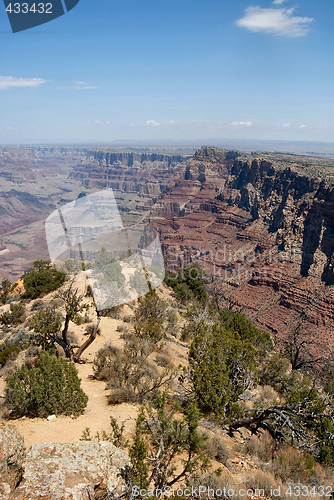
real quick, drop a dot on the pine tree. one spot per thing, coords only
(52, 387)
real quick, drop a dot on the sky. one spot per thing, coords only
(170, 70)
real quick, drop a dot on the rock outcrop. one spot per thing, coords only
(12, 451)
(54, 471)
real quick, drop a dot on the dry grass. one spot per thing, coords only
(217, 450)
(263, 447)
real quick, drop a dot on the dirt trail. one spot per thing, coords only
(97, 413)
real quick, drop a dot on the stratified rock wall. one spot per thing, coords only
(143, 173)
(297, 208)
(262, 226)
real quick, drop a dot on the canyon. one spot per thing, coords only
(262, 228)
(261, 225)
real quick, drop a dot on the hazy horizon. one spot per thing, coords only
(169, 145)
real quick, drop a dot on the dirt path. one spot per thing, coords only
(65, 429)
(97, 413)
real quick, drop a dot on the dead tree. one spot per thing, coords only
(303, 349)
(74, 308)
(301, 425)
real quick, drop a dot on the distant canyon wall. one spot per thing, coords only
(144, 173)
(263, 230)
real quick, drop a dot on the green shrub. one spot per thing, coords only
(129, 374)
(128, 318)
(52, 387)
(149, 318)
(89, 329)
(166, 448)
(9, 352)
(41, 279)
(113, 272)
(188, 284)
(275, 372)
(73, 266)
(224, 363)
(138, 281)
(46, 323)
(38, 305)
(14, 316)
(116, 436)
(238, 323)
(111, 312)
(6, 288)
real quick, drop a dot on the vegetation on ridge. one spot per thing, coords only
(235, 378)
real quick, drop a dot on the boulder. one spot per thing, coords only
(71, 471)
(12, 451)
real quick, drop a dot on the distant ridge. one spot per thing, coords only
(314, 148)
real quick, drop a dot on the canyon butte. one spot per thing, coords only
(261, 225)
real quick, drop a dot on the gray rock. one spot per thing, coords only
(68, 471)
(12, 451)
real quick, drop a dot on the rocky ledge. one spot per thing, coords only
(54, 471)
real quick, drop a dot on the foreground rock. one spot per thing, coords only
(12, 451)
(68, 471)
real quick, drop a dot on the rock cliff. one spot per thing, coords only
(12, 451)
(262, 227)
(143, 173)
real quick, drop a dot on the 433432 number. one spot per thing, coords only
(36, 8)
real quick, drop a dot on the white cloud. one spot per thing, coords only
(101, 123)
(7, 82)
(302, 126)
(242, 124)
(278, 2)
(286, 125)
(152, 122)
(79, 86)
(276, 21)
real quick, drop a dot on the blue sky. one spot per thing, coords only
(183, 69)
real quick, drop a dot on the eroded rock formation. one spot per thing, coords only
(262, 227)
(143, 173)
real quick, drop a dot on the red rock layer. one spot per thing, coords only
(264, 233)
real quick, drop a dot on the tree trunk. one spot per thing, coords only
(65, 329)
(88, 342)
